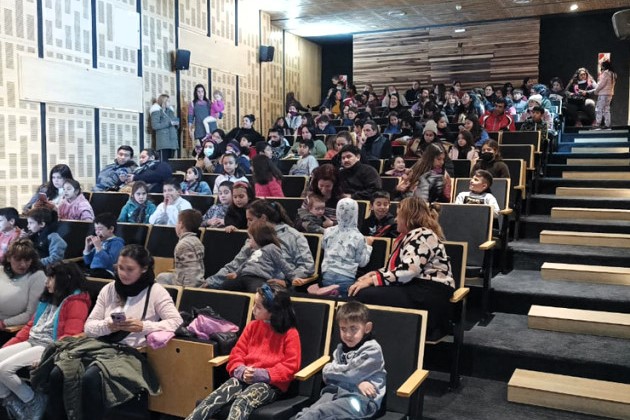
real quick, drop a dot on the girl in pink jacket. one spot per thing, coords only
(605, 90)
(74, 205)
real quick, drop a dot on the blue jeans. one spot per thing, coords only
(329, 278)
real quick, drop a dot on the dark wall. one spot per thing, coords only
(336, 58)
(570, 42)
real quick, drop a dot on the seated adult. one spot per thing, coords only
(50, 194)
(102, 249)
(324, 181)
(358, 180)
(114, 175)
(151, 170)
(293, 244)
(279, 145)
(22, 282)
(127, 310)
(497, 119)
(376, 145)
(246, 129)
(63, 307)
(417, 273)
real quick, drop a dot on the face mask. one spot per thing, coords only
(530, 108)
(208, 151)
(487, 156)
(274, 143)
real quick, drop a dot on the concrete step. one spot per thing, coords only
(598, 162)
(601, 175)
(558, 169)
(531, 226)
(586, 273)
(543, 203)
(603, 133)
(593, 192)
(609, 240)
(589, 213)
(591, 139)
(590, 149)
(570, 393)
(579, 321)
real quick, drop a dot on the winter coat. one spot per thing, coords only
(360, 180)
(166, 136)
(131, 214)
(107, 256)
(109, 177)
(79, 209)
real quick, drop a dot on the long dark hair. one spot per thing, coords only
(205, 93)
(68, 278)
(264, 171)
(140, 255)
(326, 172)
(273, 210)
(64, 171)
(278, 302)
(263, 233)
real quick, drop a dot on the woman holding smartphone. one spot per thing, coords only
(127, 310)
(165, 124)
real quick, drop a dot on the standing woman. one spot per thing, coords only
(418, 273)
(165, 124)
(198, 110)
(605, 90)
(127, 310)
(50, 194)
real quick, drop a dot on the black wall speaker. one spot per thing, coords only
(182, 59)
(621, 24)
(266, 53)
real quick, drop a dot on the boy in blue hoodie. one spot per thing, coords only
(102, 249)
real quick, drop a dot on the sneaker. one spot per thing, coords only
(37, 406)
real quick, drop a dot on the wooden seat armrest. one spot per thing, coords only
(412, 383)
(304, 281)
(487, 245)
(219, 360)
(14, 328)
(506, 211)
(519, 187)
(460, 294)
(310, 370)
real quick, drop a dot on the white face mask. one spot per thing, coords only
(531, 107)
(208, 151)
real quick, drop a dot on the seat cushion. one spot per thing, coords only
(281, 409)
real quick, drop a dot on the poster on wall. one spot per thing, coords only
(601, 57)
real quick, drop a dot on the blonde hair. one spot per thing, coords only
(418, 213)
(161, 100)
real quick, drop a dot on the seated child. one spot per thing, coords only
(215, 216)
(356, 378)
(479, 192)
(306, 163)
(194, 184)
(168, 210)
(398, 167)
(42, 225)
(265, 263)
(345, 248)
(381, 222)
(267, 177)
(189, 253)
(8, 231)
(536, 122)
(314, 221)
(102, 249)
(138, 208)
(263, 361)
(74, 205)
(235, 216)
(230, 171)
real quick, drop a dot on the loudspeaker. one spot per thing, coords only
(266, 53)
(182, 59)
(621, 24)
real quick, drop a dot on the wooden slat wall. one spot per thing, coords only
(490, 53)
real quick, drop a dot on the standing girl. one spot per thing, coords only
(605, 90)
(235, 216)
(165, 124)
(62, 311)
(194, 184)
(267, 177)
(138, 208)
(264, 263)
(74, 205)
(262, 363)
(51, 193)
(215, 216)
(42, 225)
(231, 172)
(428, 179)
(198, 110)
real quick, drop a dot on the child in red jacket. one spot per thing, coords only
(262, 363)
(62, 311)
(267, 177)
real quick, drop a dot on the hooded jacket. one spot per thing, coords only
(165, 132)
(79, 209)
(345, 249)
(107, 256)
(109, 177)
(128, 213)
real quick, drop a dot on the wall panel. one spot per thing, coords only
(226, 83)
(117, 128)
(271, 75)
(193, 15)
(68, 30)
(249, 85)
(485, 53)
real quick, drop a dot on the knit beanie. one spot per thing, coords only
(430, 126)
(536, 98)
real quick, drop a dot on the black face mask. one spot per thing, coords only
(274, 143)
(487, 156)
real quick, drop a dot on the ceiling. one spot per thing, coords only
(311, 18)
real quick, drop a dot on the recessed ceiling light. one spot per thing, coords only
(573, 7)
(460, 30)
(458, 7)
(396, 13)
(522, 1)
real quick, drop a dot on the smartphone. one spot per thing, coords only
(118, 317)
(43, 196)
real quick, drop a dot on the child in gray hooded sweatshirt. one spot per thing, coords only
(345, 248)
(265, 262)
